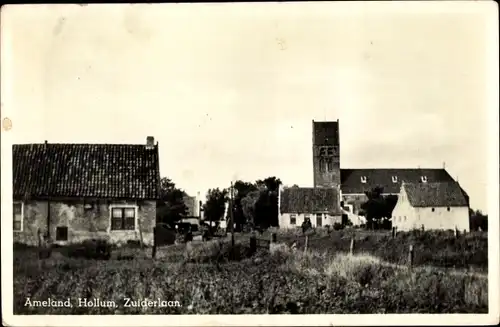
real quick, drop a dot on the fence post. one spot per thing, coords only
(140, 234)
(40, 239)
(457, 233)
(351, 249)
(153, 254)
(305, 247)
(410, 256)
(253, 244)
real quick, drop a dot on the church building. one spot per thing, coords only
(346, 185)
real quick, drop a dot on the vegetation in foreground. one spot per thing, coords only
(434, 248)
(205, 281)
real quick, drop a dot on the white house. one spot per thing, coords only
(442, 205)
(320, 205)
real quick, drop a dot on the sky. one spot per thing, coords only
(230, 90)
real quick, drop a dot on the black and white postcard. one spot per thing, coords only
(287, 163)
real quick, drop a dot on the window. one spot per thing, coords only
(394, 179)
(330, 151)
(293, 219)
(322, 151)
(319, 220)
(322, 164)
(123, 218)
(405, 218)
(18, 217)
(448, 208)
(363, 179)
(423, 179)
(330, 165)
(61, 233)
(432, 209)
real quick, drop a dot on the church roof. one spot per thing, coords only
(447, 194)
(310, 200)
(358, 181)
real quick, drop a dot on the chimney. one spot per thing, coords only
(150, 142)
(45, 144)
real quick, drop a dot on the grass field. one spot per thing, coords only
(204, 280)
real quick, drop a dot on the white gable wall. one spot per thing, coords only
(406, 217)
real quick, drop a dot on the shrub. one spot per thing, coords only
(338, 226)
(97, 249)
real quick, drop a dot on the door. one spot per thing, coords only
(319, 220)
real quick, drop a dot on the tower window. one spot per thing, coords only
(423, 179)
(363, 179)
(394, 179)
(330, 165)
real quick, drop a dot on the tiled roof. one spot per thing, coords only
(351, 179)
(326, 133)
(309, 200)
(86, 170)
(435, 194)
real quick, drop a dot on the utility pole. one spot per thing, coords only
(231, 191)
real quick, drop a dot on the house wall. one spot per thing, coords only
(404, 216)
(84, 223)
(284, 220)
(440, 218)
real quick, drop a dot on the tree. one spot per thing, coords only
(378, 208)
(478, 220)
(249, 206)
(241, 189)
(260, 206)
(170, 207)
(215, 204)
(267, 205)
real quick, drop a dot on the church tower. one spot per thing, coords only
(326, 154)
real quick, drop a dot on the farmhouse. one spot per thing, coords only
(352, 184)
(320, 205)
(431, 206)
(73, 192)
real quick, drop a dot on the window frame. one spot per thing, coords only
(423, 179)
(293, 217)
(58, 228)
(394, 179)
(329, 165)
(22, 216)
(363, 179)
(123, 207)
